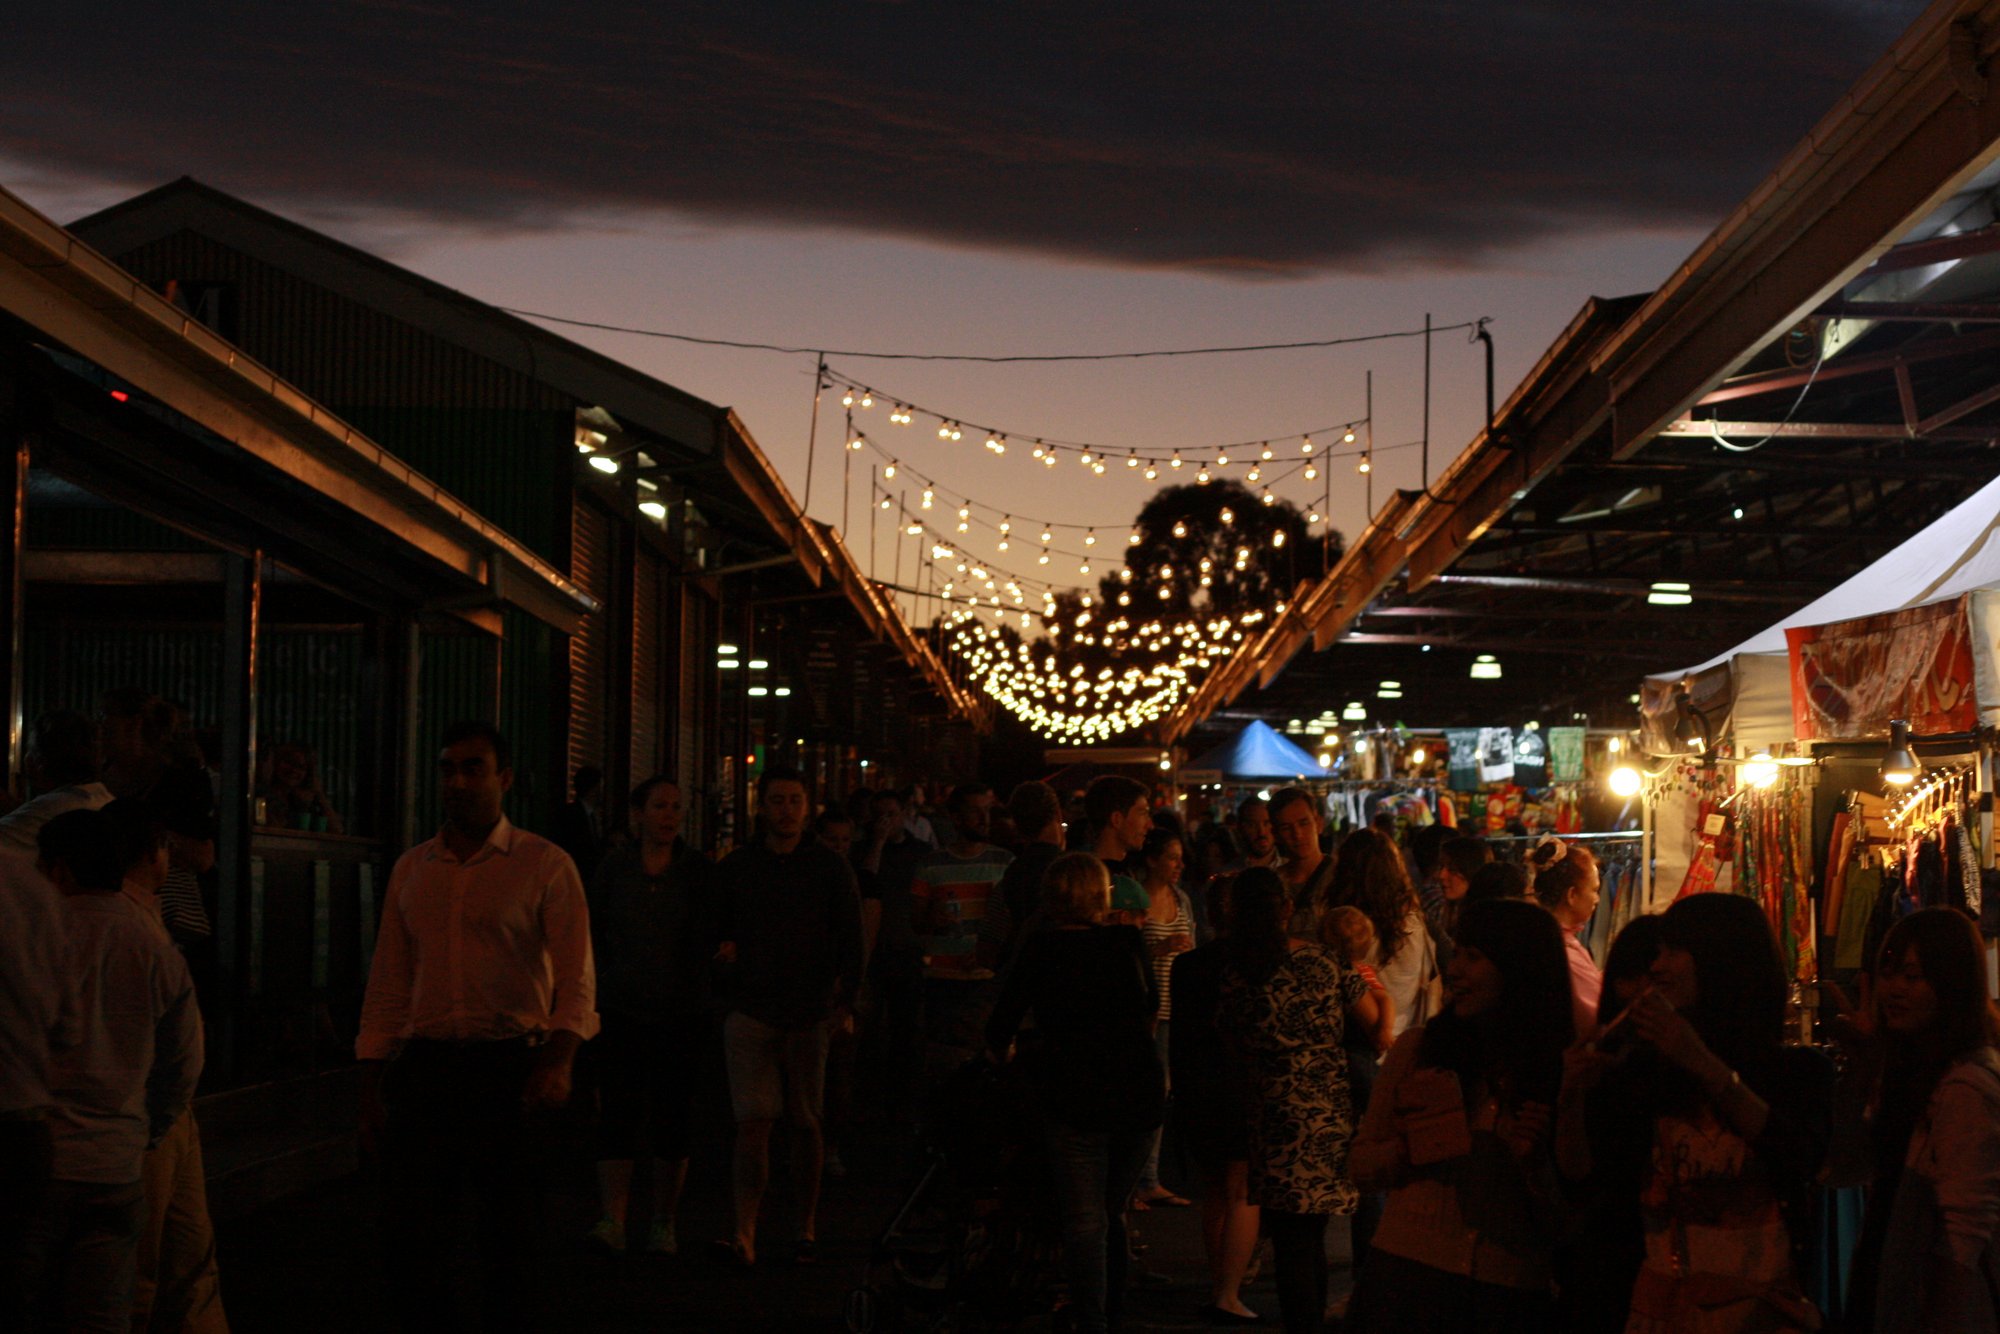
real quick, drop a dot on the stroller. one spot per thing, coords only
(976, 1243)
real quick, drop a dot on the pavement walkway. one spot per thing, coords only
(308, 1265)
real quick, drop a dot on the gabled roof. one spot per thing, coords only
(72, 295)
(707, 445)
(186, 204)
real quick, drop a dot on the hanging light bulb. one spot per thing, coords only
(1267, 497)
(1256, 474)
(927, 497)
(1265, 452)
(1132, 461)
(1312, 516)
(1090, 538)
(1039, 449)
(1006, 523)
(847, 399)
(889, 471)
(867, 399)
(1047, 536)
(1202, 477)
(944, 430)
(1180, 528)
(1278, 538)
(1364, 465)
(1151, 472)
(885, 502)
(1049, 459)
(1133, 541)
(1228, 515)
(1175, 461)
(856, 443)
(1306, 445)
(1312, 473)
(1222, 460)
(1083, 568)
(1348, 438)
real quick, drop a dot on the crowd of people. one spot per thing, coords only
(104, 1219)
(1398, 1030)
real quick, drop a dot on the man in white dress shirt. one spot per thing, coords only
(481, 991)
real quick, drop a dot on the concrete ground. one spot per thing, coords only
(308, 1265)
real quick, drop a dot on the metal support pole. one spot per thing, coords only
(1368, 445)
(242, 616)
(1426, 465)
(812, 433)
(846, 473)
(1479, 332)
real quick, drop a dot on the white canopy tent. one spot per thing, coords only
(1958, 554)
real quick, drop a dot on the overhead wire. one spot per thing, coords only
(1151, 353)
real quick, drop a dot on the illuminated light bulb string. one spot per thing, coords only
(1074, 704)
(1098, 458)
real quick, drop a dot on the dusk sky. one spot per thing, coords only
(1019, 179)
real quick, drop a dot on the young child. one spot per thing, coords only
(1349, 936)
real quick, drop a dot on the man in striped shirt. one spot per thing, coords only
(948, 897)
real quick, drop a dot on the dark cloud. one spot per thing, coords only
(1253, 137)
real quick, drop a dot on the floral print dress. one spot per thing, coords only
(1302, 1111)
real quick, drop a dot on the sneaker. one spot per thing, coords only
(660, 1239)
(607, 1238)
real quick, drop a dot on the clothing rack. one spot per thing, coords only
(1633, 834)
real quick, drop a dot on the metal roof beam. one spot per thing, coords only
(1691, 428)
(1796, 377)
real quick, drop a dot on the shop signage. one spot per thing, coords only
(1850, 678)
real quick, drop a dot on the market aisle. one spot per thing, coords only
(308, 1265)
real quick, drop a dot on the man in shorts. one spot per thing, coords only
(791, 939)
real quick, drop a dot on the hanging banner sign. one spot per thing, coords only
(1566, 754)
(1464, 768)
(1850, 678)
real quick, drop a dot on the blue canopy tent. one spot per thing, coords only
(1256, 753)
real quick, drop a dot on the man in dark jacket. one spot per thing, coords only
(792, 939)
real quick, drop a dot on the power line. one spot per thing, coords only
(990, 360)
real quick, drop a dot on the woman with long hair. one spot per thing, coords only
(1716, 1125)
(1926, 1083)
(1168, 927)
(1285, 1004)
(1097, 1079)
(1458, 1134)
(1600, 1257)
(1372, 877)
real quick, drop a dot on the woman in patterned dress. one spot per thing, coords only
(1285, 1004)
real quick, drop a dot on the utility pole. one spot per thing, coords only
(812, 432)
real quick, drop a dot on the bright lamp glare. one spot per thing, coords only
(1625, 781)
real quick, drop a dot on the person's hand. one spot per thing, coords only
(726, 952)
(1180, 942)
(548, 1085)
(1659, 1023)
(1524, 1128)
(1584, 1068)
